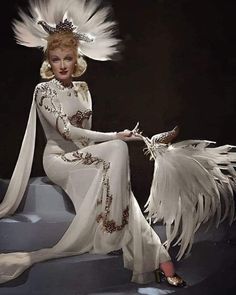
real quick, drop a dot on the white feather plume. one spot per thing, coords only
(192, 184)
(88, 17)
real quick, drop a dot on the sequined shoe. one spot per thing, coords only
(167, 137)
(174, 280)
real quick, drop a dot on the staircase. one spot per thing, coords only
(40, 221)
(43, 216)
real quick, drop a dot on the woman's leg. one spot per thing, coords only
(111, 212)
(107, 218)
(168, 268)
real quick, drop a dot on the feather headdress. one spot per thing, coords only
(89, 21)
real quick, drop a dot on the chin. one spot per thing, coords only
(64, 78)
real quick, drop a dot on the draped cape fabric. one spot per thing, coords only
(21, 174)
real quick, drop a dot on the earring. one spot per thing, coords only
(46, 70)
(80, 67)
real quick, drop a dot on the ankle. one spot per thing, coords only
(168, 268)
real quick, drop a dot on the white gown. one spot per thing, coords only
(108, 216)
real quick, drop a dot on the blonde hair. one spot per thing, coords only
(62, 40)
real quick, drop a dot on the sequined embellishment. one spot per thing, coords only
(77, 119)
(108, 225)
(85, 159)
(54, 107)
(60, 86)
(78, 87)
(82, 88)
(84, 141)
(69, 89)
(46, 91)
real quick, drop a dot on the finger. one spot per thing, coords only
(136, 127)
(128, 132)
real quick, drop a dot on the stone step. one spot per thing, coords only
(46, 212)
(104, 274)
(26, 233)
(41, 220)
(41, 196)
(31, 232)
(81, 274)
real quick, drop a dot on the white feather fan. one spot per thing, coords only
(191, 185)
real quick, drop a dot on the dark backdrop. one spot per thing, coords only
(178, 66)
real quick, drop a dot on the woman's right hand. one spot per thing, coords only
(127, 135)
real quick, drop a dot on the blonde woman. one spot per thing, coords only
(107, 216)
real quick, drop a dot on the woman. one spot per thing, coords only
(107, 216)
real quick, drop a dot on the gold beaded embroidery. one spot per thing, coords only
(84, 141)
(56, 109)
(77, 119)
(46, 91)
(109, 225)
(86, 159)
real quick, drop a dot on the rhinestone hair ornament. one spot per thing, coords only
(90, 23)
(65, 26)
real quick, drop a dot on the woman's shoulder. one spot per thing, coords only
(81, 86)
(43, 86)
(44, 90)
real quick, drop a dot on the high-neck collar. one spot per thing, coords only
(60, 85)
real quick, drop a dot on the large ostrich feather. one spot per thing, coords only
(194, 182)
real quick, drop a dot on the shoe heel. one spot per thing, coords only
(158, 276)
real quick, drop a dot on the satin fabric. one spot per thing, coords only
(93, 169)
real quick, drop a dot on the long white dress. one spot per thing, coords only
(108, 216)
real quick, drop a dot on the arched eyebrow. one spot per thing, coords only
(67, 55)
(54, 56)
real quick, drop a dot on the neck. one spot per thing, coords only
(65, 83)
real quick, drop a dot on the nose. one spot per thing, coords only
(62, 65)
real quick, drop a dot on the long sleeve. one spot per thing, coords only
(51, 108)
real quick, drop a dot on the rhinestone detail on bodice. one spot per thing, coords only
(78, 118)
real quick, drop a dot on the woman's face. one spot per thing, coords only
(62, 62)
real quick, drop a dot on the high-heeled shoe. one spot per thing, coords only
(174, 280)
(166, 137)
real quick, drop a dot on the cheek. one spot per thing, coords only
(72, 66)
(54, 67)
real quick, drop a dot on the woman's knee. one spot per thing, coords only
(120, 146)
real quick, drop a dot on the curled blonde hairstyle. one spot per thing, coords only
(63, 41)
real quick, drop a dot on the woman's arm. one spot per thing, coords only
(52, 110)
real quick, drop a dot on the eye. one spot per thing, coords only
(69, 58)
(55, 59)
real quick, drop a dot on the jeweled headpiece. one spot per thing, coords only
(86, 20)
(65, 26)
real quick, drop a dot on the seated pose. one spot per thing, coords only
(192, 181)
(108, 217)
